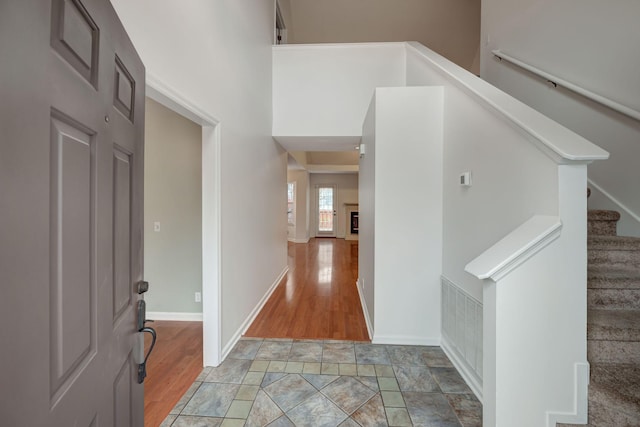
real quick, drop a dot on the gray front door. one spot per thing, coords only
(71, 159)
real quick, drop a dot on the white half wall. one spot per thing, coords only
(591, 44)
(218, 55)
(407, 189)
(497, 156)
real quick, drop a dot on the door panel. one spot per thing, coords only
(71, 167)
(121, 232)
(75, 36)
(72, 310)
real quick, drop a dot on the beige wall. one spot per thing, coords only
(173, 197)
(451, 27)
(333, 157)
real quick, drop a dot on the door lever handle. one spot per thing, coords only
(142, 367)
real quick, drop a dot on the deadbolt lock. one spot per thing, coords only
(142, 287)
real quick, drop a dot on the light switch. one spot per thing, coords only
(156, 226)
(465, 179)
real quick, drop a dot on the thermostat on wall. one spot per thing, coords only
(465, 179)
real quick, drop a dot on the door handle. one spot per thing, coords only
(142, 367)
(142, 329)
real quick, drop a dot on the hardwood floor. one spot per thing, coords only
(174, 364)
(318, 299)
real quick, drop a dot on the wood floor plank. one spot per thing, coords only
(173, 366)
(318, 299)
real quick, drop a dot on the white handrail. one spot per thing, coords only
(620, 108)
(515, 248)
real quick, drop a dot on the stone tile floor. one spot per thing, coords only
(281, 383)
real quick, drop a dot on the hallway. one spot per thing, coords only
(318, 299)
(306, 361)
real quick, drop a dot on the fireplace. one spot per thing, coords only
(354, 222)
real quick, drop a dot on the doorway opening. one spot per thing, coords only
(207, 320)
(326, 202)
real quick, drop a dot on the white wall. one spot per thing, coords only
(590, 43)
(218, 55)
(451, 28)
(299, 233)
(513, 154)
(367, 217)
(406, 180)
(325, 90)
(498, 157)
(172, 197)
(347, 184)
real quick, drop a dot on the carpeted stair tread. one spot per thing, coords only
(612, 277)
(614, 299)
(614, 395)
(613, 325)
(613, 251)
(602, 215)
(617, 243)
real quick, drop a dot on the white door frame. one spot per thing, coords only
(211, 242)
(317, 231)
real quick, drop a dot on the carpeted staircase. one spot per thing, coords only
(613, 323)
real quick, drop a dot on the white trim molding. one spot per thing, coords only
(171, 98)
(406, 340)
(252, 316)
(299, 240)
(168, 315)
(581, 403)
(365, 309)
(463, 368)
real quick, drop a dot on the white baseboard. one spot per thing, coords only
(252, 316)
(472, 380)
(365, 310)
(579, 415)
(299, 240)
(167, 315)
(405, 340)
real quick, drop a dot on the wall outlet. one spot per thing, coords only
(198, 297)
